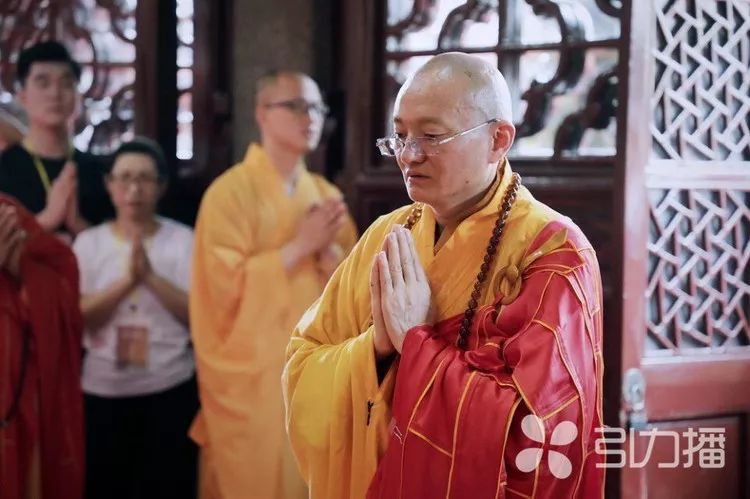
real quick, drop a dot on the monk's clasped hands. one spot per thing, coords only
(399, 292)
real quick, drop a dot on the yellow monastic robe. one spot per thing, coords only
(338, 414)
(243, 308)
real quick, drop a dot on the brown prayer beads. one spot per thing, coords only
(510, 197)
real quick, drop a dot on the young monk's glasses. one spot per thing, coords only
(301, 107)
(429, 146)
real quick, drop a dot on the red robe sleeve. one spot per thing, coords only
(42, 311)
(516, 415)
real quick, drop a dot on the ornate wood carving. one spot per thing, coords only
(569, 68)
(610, 7)
(422, 14)
(698, 293)
(432, 27)
(101, 37)
(701, 99)
(135, 84)
(599, 111)
(457, 21)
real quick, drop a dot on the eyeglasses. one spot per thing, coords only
(429, 146)
(301, 107)
(139, 180)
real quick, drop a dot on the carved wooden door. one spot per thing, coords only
(154, 68)
(685, 238)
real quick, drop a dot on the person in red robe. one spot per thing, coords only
(41, 405)
(517, 411)
(457, 352)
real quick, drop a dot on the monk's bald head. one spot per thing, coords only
(289, 110)
(268, 84)
(477, 85)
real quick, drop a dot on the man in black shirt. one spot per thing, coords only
(63, 187)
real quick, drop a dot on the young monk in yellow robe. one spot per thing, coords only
(457, 351)
(268, 236)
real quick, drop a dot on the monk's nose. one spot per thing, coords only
(411, 153)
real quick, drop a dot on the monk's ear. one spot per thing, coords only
(107, 181)
(503, 134)
(260, 113)
(21, 96)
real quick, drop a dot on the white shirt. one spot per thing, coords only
(103, 258)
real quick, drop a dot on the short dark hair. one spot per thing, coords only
(143, 145)
(49, 51)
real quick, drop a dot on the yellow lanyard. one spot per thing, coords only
(42, 173)
(40, 169)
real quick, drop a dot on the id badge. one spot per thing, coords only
(132, 345)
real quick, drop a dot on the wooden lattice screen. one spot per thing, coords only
(698, 295)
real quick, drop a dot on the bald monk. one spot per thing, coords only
(41, 405)
(459, 344)
(269, 235)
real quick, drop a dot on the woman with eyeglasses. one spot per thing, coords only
(138, 374)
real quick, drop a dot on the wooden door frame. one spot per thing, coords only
(716, 382)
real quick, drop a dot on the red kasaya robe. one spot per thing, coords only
(41, 309)
(515, 415)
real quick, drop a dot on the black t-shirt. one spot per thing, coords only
(20, 179)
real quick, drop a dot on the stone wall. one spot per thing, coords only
(276, 34)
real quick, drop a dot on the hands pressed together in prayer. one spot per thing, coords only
(12, 239)
(399, 292)
(139, 270)
(316, 233)
(62, 203)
